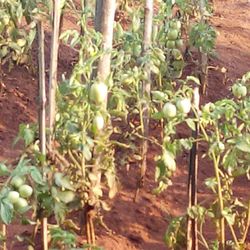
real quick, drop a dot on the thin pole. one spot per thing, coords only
(146, 88)
(42, 114)
(192, 235)
(53, 69)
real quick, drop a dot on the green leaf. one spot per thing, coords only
(191, 124)
(22, 167)
(26, 133)
(36, 176)
(63, 181)
(227, 214)
(243, 146)
(6, 212)
(87, 153)
(60, 210)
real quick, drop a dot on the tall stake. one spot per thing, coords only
(192, 239)
(104, 23)
(146, 88)
(42, 114)
(203, 75)
(53, 69)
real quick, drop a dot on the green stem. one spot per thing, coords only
(216, 161)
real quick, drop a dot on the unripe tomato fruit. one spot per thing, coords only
(184, 105)
(175, 24)
(13, 196)
(66, 196)
(3, 169)
(170, 44)
(98, 93)
(20, 204)
(98, 123)
(17, 181)
(239, 90)
(179, 43)
(25, 191)
(169, 110)
(173, 34)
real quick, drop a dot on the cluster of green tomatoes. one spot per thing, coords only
(19, 194)
(173, 35)
(98, 95)
(183, 105)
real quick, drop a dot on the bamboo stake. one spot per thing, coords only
(203, 58)
(42, 114)
(192, 231)
(53, 69)
(146, 88)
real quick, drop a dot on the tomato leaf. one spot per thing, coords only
(243, 146)
(191, 124)
(6, 212)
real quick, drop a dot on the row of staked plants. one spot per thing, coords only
(81, 167)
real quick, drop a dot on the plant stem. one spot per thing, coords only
(4, 234)
(234, 236)
(247, 225)
(216, 161)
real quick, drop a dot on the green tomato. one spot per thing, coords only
(13, 196)
(17, 181)
(158, 95)
(179, 43)
(98, 123)
(173, 34)
(98, 93)
(169, 110)
(66, 196)
(184, 105)
(3, 169)
(25, 191)
(175, 24)
(170, 44)
(239, 90)
(20, 204)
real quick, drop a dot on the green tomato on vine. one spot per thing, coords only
(98, 93)
(169, 110)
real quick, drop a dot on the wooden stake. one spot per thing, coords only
(203, 58)
(192, 235)
(42, 115)
(53, 69)
(146, 88)
(104, 23)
